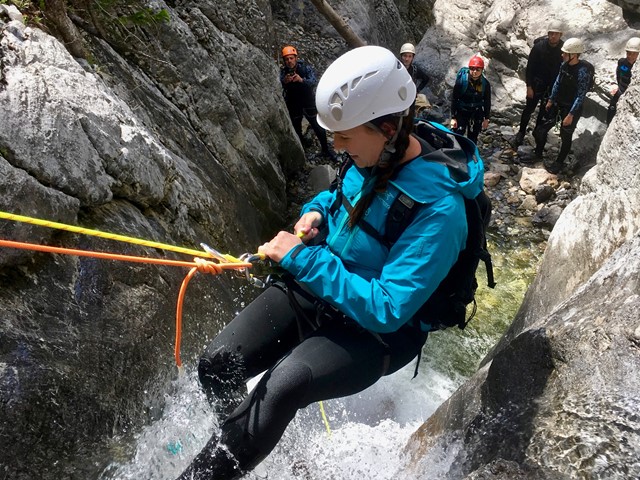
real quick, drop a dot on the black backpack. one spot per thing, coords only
(592, 74)
(590, 68)
(447, 306)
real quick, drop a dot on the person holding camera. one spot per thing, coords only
(298, 83)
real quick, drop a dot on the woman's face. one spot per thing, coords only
(475, 72)
(364, 144)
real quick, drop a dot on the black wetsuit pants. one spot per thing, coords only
(613, 107)
(538, 100)
(554, 116)
(296, 112)
(469, 123)
(304, 365)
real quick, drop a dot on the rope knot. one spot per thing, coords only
(206, 266)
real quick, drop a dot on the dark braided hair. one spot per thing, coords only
(387, 164)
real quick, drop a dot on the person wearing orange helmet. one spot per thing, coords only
(298, 81)
(471, 100)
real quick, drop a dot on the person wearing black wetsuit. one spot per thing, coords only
(565, 103)
(542, 69)
(623, 75)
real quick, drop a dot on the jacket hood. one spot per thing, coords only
(449, 170)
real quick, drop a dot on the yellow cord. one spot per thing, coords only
(110, 236)
(324, 418)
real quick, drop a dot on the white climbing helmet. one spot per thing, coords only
(573, 45)
(363, 84)
(633, 45)
(407, 48)
(555, 26)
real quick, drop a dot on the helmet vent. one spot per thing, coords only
(355, 82)
(402, 93)
(336, 99)
(336, 112)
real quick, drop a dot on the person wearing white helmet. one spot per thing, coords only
(623, 75)
(543, 65)
(346, 313)
(565, 103)
(419, 76)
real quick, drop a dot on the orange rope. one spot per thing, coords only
(198, 265)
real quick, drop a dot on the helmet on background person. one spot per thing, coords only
(476, 62)
(633, 45)
(573, 45)
(555, 26)
(289, 50)
(363, 84)
(407, 48)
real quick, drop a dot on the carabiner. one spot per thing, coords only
(252, 258)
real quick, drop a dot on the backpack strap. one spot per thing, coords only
(336, 184)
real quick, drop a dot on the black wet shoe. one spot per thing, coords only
(517, 140)
(552, 167)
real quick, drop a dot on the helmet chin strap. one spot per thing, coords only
(390, 145)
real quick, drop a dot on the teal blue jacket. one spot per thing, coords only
(382, 289)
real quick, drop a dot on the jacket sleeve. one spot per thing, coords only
(487, 99)
(423, 79)
(455, 97)
(619, 73)
(415, 266)
(308, 74)
(532, 66)
(321, 203)
(583, 88)
(556, 88)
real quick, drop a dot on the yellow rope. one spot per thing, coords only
(324, 418)
(110, 236)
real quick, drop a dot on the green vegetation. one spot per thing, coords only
(144, 17)
(102, 15)
(130, 13)
(31, 10)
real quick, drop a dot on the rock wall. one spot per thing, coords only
(557, 397)
(180, 138)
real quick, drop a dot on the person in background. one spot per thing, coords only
(542, 69)
(565, 103)
(471, 100)
(419, 76)
(298, 81)
(346, 313)
(623, 75)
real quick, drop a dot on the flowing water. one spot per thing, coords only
(365, 434)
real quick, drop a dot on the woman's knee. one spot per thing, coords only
(222, 374)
